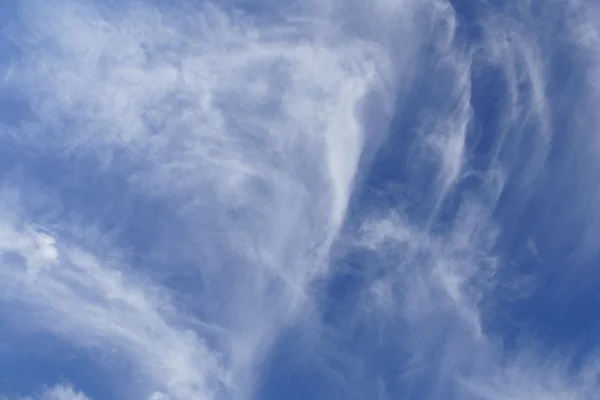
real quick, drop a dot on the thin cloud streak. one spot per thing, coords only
(98, 307)
(254, 135)
(252, 132)
(432, 279)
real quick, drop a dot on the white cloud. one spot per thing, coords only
(62, 392)
(57, 392)
(532, 378)
(433, 263)
(96, 303)
(251, 132)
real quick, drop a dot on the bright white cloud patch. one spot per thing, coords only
(186, 182)
(63, 393)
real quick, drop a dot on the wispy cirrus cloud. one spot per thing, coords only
(94, 302)
(231, 153)
(447, 251)
(248, 133)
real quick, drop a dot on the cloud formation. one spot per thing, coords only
(61, 392)
(250, 136)
(185, 185)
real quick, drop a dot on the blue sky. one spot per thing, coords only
(334, 199)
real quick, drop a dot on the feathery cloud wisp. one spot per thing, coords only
(202, 160)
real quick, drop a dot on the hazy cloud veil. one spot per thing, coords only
(339, 199)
